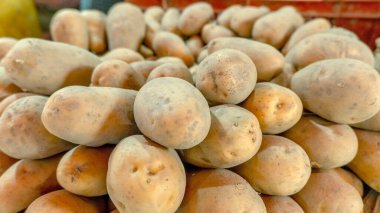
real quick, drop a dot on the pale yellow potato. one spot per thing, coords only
(202, 55)
(145, 67)
(42, 66)
(328, 145)
(5, 162)
(372, 124)
(277, 108)
(125, 26)
(7, 87)
(92, 116)
(234, 138)
(211, 31)
(342, 32)
(169, 21)
(349, 178)
(69, 26)
(283, 204)
(281, 167)
(23, 136)
(155, 12)
(146, 52)
(224, 18)
(5, 45)
(195, 44)
(124, 54)
(10, 99)
(342, 90)
(178, 70)
(219, 190)
(96, 24)
(144, 176)
(194, 17)
(243, 20)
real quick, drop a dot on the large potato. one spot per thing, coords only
(178, 70)
(23, 135)
(169, 21)
(226, 76)
(277, 108)
(172, 112)
(344, 91)
(219, 190)
(328, 145)
(372, 124)
(123, 54)
(259, 53)
(195, 44)
(92, 116)
(7, 87)
(96, 23)
(41, 66)
(145, 177)
(211, 31)
(224, 18)
(5, 45)
(194, 17)
(281, 167)
(10, 99)
(145, 67)
(283, 204)
(234, 138)
(242, 20)
(125, 26)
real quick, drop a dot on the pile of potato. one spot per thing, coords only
(164, 111)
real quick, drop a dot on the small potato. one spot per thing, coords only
(69, 26)
(177, 70)
(172, 112)
(372, 124)
(93, 115)
(83, 170)
(5, 162)
(5, 45)
(259, 53)
(23, 135)
(328, 193)
(145, 177)
(145, 67)
(212, 30)
(234, 138)
(283, 204)
(10, 99)
(242, 20)
(170, 20)
(7, 87)
(170, 44)
(123, 54)
(226, 76)
(349, 178)
(281, 167)
(224, 18)
(277, 108)
(146, 52)
(202, 55)
(155, 12)
(62, 201)
(195, 44)
(328, 145)
(41, 66)
(96, 23)
(219, 190)
(116, 73)
(334, 88)
(194, 17)
(125, 26)
(25, 181)
(342, 32)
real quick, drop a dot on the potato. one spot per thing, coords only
(69, 26)
(25, 181)
(323, 46)
(242, 20)
(93, 115)
(145, 67)
(372, 124)
(259, 53)
(281, 167)
(172, 112)
(37, 65)
(325, 192)
(7, 87)
(212, 30)
(169, 21)
(334, 88)
(146, 52)
(83, 170)
(224, 18)
(117, 73)
(276, 27)
(123, 54)
(349, 178)
(10, 99)
(219, 190)
(277, 108)
(195, 44)
(365, 164)
(96, 23)
(194, 17)
(152, 27)
(5, 45)
(145, 177)
(226, 76)
(202, 55)
(5, 162)
(309, 28)
(342, 32)
(285, 77)
(234, 138)
(177, 70)
(328, 145)
(23, 135)
(155, 12)
(62, 201)
(283, 204)
(125, 26)
(170, 44)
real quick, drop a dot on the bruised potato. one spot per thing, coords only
(194, 17)
(177, 70)
(96, 23)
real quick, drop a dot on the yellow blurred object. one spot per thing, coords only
(19, 19)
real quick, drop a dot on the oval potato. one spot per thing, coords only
(194, 17)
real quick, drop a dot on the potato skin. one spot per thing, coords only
(93, 115)
(141, 170)
(285, 164)
(5, 162)
(195, 44)
(211, 31)
(224, 18)
(7, 87)
(242, 20)
(283, 204)
(172, 112)
(349, 178)
(5, 45)
(334, 88)
(170, 20)
(96, 24)
(177, 70)
(145, 67)
(372, 124)
(155, 12)
(194, 17)
(10, 99)
(341, 32)
(123, 54)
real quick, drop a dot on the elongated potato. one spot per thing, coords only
(334, 88)
(194, 17)
(219, 190)
(224, 18)
(349, 178)
(125, 26)
(145, 177)
(242, 20)
(211, 31)
(281, 167)
(259, 53)
(170, 20)
(195, 44)
(172, 112)
(37, 65)
(234, 138)
(23, 135)
(5, 162)
(93, 115)
(10, 99)
(177, 70)
(145, 67)
(96, 23)
(341, 32)
(7, 87)
(5, 45)
(283, 204)
(123, 54)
